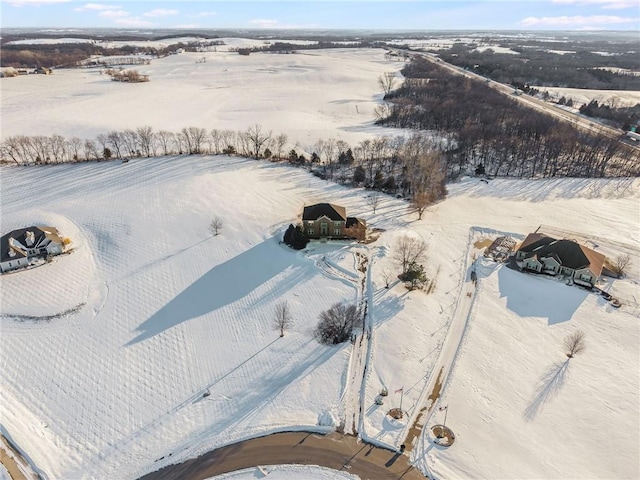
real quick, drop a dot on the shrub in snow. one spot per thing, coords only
(295, 237)
(414, 277)
(336, 324)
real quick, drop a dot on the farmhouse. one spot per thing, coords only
(21, 247)
(327, 220)
(544, 254)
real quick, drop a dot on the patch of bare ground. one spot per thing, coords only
(416, 428)
(482, 243)
(373, 235)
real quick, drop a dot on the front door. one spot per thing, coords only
(324, 228)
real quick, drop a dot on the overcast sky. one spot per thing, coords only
(327, 14)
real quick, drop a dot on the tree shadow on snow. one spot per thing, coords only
(531, 295)
(549, 386)
(223, 285)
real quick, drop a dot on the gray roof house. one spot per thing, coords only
(544, 254)
(327, 220)
(20, 247)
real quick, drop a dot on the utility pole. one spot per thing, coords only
(401, 390)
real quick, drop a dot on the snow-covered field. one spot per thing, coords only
(618, 98)
(311, 95)
(171, 312)
(166, 312)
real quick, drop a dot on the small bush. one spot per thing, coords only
(295, 237)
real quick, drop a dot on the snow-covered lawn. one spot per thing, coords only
(171, 312)
(514, 391)
(311, 95)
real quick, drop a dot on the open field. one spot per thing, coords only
(171, 312)
(168, 350)
(310, 95)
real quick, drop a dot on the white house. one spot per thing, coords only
(21, 247)
(543, 254)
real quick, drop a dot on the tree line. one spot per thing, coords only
(539, 66)
(481, 129)
(410, 166)
(72, 54)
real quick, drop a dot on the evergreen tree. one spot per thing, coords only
(358, 175)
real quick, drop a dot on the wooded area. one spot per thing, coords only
(486, 130)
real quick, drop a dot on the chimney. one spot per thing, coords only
(29, 239)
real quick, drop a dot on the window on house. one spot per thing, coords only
(336, 224)
(336, 231)
(310, 231)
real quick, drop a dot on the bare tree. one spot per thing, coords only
(282, 319)
(216, 141)
(10, 149)
(373, 200)
(281, 140)
(386, 276)
(420, 201)
(193, 138)
(91, 150)
(216, 225)
(245, 146)
(165, 138)
(145, 139)
(622, 263)
(115, 140)
(130, 141)
(409, 251)
(74, 144)
(387, 81)
(103, 141)
(257, 138)
(58, 148)
(39, 145)
(574, 343)
(336, 324)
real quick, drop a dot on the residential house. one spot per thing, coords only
(21, 247)
(327, 220)
(544, 254)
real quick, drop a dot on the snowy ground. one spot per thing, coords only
(311, 95)
(287, 472)
(618, 98)
(166, 312)
(171, 312)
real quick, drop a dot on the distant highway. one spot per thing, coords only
(546, 107)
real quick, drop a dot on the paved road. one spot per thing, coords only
(340, 452)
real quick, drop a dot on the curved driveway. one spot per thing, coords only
(340, 452)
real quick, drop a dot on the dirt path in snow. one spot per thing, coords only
(339, 452)
(351, 401)
(447, 356)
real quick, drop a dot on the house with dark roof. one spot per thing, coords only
(22, 247)
(327, 220)
(543, 254)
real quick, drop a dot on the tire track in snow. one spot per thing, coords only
(122, 445)
(353, 396)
